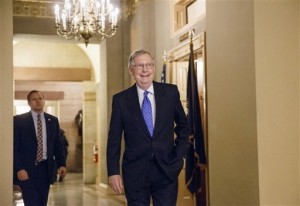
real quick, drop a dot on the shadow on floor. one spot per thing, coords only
(72, 192)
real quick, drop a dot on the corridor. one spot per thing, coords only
(72, 192)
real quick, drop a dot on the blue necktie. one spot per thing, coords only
(147, 112)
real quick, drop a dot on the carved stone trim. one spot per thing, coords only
(29, 8)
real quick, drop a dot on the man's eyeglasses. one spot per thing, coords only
(142, 66)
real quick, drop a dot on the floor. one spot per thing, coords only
(72, 192)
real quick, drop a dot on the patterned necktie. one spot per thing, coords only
(39, 155)
(147, 112)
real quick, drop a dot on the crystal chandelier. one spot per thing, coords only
(85, 19)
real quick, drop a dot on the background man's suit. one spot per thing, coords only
(140, 147)
(25, 149)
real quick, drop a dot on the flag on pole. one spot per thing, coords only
(196, 152)
(163, 74)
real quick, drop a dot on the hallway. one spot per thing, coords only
(72, 192)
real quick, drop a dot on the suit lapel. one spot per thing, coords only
(158, 94)
(48, 121)
(30, 122)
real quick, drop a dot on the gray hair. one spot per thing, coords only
(137, 53)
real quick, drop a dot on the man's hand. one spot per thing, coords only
(22, 175)
(62, 171)
(115, 182)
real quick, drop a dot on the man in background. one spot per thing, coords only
(36, 143)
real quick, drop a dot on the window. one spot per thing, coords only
(185, 13)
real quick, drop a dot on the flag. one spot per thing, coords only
(196, 152)
(163, 74)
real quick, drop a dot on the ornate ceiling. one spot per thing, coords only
(37, 16)
(31, 8)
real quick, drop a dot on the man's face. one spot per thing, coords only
(143, 71)
(36, 102)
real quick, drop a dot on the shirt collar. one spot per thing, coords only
(150, 89)
(34, 114)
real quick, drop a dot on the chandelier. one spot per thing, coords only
(85, 19)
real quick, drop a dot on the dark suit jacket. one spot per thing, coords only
(25, 144)
(139, 146)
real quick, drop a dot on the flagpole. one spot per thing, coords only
(191, 35)
(165, 56)
(196, 150)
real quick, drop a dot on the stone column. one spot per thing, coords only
(231, 95)
(6, 102)
(89, 133)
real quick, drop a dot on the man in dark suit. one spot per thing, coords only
(36, 143)
(153, 157)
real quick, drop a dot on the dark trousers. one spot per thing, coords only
(157, 186)
(35, 190)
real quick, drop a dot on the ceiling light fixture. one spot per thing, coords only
(85, 19)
